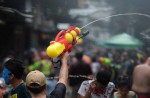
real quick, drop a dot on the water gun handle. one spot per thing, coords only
(60, 35)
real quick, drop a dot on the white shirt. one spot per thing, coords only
(95, 67)
(86, 85)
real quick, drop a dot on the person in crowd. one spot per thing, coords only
(123, 89)
(141, 80)
(78, 68)
(46, 64)
(12, 74)
(34, 60)
(36, 82)
(51, 83)
(130, 68)
(99, 88)
(95, 66)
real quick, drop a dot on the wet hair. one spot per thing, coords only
(16, 67)
(103, 77)
(36, 90)
(123, 81)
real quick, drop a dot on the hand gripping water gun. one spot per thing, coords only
(64, 41)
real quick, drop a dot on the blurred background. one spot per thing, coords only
(27, 27)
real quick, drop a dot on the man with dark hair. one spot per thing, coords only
(36, 82)
(79, 55)
(78, 68)
(99, 88)
(12, 74)
(123, 88)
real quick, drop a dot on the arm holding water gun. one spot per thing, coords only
(64, 41)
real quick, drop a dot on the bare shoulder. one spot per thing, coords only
(139, 66)
(144, 68)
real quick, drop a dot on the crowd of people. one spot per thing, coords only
(79, 74)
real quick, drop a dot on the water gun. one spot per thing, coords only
(64, 41)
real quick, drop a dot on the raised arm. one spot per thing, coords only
(63, 75)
